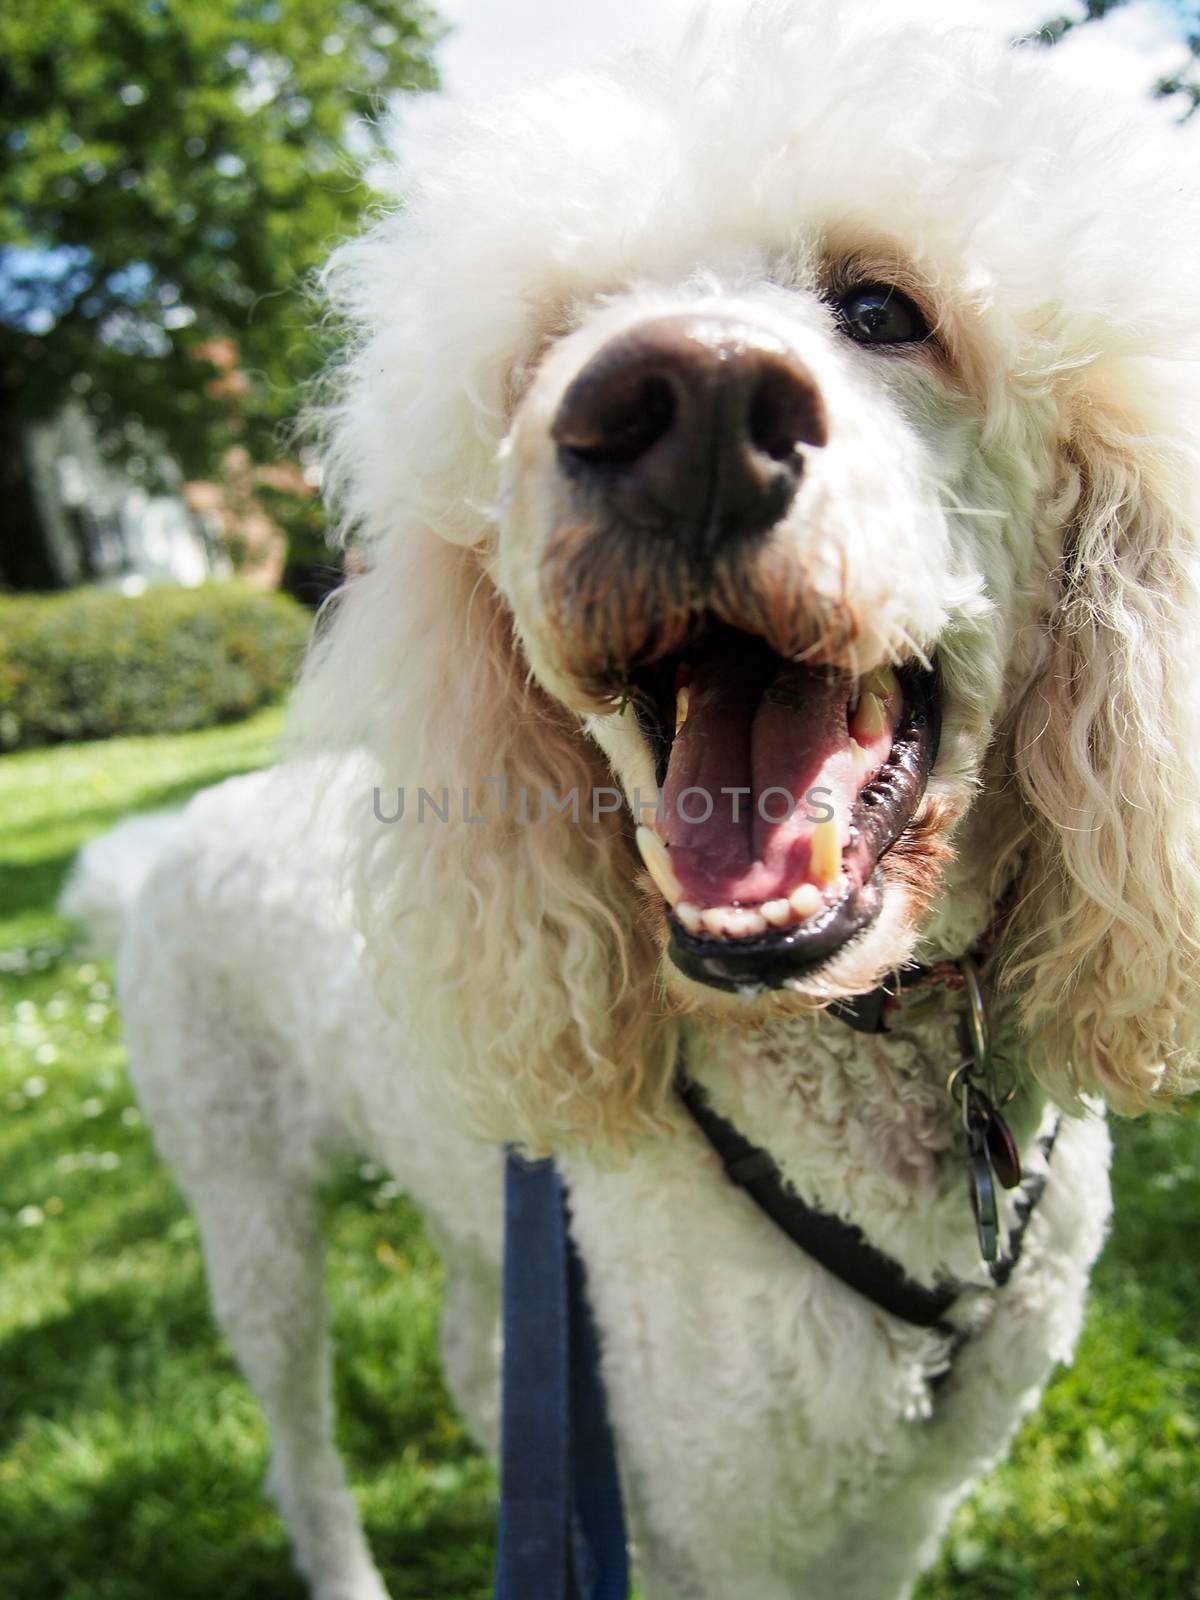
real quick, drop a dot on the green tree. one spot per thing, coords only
(170, 172)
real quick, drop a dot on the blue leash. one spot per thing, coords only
(562, 1530)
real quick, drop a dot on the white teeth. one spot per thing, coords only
(683, 698)
(869, 720)
(881, 681)
(658, 865)
(806, 900)
(863, 764)
(777, 912)
(750, 922)
(825, 864)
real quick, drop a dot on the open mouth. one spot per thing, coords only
(782, 784)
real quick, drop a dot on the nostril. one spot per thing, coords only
(622, 422)
(785, 411)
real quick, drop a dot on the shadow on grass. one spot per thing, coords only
(182, 1525)
(107, 1339)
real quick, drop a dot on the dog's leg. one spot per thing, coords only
(263, 1252)
(996, 1380)
(245, 1137)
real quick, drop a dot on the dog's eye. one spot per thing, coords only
(877, 313)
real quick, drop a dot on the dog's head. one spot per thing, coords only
(797, 445)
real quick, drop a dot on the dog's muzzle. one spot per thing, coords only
(691, 428)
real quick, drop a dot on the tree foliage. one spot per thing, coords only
(1184, 83)
(170, 171)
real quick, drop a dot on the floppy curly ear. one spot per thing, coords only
(1106, 750)
(509, 945)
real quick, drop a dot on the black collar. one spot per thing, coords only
(869, 1013)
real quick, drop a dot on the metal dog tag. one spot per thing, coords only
(992, 1153)
(983, 1203)
(1002, 1151)
(982, 1189)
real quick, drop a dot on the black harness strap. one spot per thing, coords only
(839, 1246)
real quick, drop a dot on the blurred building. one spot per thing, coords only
(136, 522)
(100, 525)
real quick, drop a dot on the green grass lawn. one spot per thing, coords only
(131, 1453)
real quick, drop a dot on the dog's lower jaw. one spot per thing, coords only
(888, 944)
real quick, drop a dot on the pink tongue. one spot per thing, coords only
(760, 741)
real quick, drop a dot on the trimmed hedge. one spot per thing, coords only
(90, 664)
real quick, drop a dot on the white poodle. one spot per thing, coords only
(778, 475)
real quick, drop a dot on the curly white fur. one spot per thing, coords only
(1023, 504)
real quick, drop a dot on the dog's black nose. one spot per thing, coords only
(691, 427)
